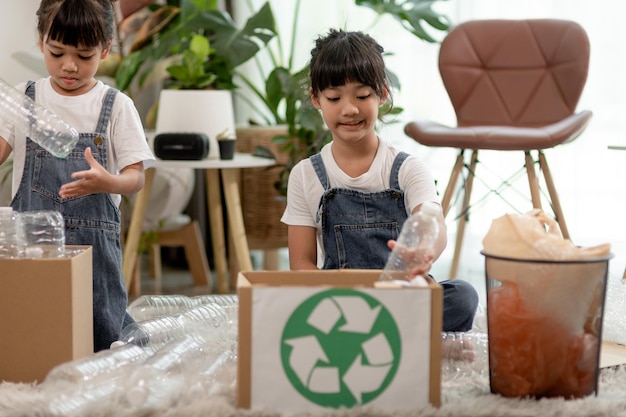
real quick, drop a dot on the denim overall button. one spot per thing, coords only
(98, 140)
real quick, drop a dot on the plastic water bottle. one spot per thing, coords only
(38, 123)
(223, 300)
(44, 234)
(416, 240)
(206, 319)
(11, 241)
(150, 306)
(164, 375)
(105, 363)
(152, 333)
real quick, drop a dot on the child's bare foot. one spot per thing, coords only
(456, 347)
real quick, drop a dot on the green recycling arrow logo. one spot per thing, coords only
(340, 348)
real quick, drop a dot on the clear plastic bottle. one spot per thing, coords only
(38, 123)
(151, 306)
(105, 363)
(223, 300)
(44, 234)
(207, 319)
(11, 240)
(164, 375)
(153, 333)
(416, 239)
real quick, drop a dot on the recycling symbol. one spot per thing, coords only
(340, 348)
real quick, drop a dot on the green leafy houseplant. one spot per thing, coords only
(283, 97)
(191, 72)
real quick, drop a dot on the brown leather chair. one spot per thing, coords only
(514, 86)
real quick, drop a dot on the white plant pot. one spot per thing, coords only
(197, 111)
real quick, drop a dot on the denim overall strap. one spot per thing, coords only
(91, 220)
(357, 225)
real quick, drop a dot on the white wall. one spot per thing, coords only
(18, 36)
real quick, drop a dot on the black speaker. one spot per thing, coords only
(181, 146)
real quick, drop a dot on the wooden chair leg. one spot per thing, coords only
(196, 257)
(189, 237)
(554, 196)
(135, 282)
(233, 267)
(532, 180)
(154, 254)
(460, 233)
(454, 177)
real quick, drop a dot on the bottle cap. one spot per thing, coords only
(430, 208)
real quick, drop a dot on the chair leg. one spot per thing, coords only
(554, 197)
(189, 237)
(532, 180)
(135, 283)
(154, 255)
(460, 233)
(196, 257)
(454, 177)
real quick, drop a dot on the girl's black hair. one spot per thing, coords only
(87, 23)
(341, 57)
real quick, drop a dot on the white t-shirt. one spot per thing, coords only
(127, 142)
(304, 190)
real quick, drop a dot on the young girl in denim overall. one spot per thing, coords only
(108, 160)
(346, 205)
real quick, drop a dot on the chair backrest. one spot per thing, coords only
(523, 73)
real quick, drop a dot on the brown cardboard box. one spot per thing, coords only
(311, 341)
(45, 314)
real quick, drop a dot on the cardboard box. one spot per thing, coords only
(311, 341)
(46, 314)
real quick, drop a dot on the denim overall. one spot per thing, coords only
(92, 220)
(357, 225)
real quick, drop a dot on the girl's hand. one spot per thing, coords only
(94, 180)
(417, 260)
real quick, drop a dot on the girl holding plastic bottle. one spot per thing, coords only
(108, 160)
(351, 199)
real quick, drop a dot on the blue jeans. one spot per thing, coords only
(356, 227)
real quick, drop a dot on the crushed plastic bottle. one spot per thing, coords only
(416, 240)
(11, 236)
(44, 234)
(36, 122)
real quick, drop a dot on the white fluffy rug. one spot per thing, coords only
(464, 389)
(464, 393)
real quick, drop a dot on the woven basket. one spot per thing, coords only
(262, 205)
